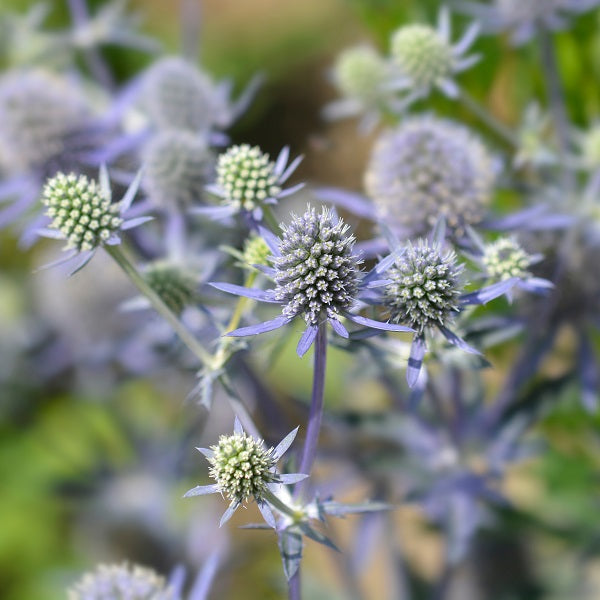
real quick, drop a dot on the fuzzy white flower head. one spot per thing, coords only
(505, 258)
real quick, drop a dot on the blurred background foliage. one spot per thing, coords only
(92, 470)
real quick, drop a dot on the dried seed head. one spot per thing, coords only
(359, 73)
(242, 467)
(178, 95)
(425, 287)
(429, 167)
(38, 111)
(177, 167)
(505, 258)
(247, 177)
(121, 582)
(316, 273)
(80, 211)
(175, 285)
(421, 54)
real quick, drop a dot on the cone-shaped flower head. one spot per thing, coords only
(38, 111)
(80, 211)
(174, 284)
(242, 467)
(247, 177)
(359, 73)
(429, 167)
(177, 95)
(177, 166)
(425, 287)
(316, 272)
(505, 258)
(121, 582)
(422, 54)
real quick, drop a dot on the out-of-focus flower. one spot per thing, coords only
(589, 145)
(244, 469)
(535, 142)
(176, 286)
(121, 582)
(428, 167)
(316, 278)
(523, 19)
(177, 166)
(247, 180)
(82, 214)
(361, 75)
(426, 58)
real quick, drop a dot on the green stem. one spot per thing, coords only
(281, 506)
(271, 220)
(119, 256)
(486, 117)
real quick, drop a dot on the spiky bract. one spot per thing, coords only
(316, 273)
(421, 54)
(121, 582)
(429, 167)
(425, 287)
(80, 211)
(177, 166)
(246, 176)
(174, 284)
(505, 258)
(178, 95)
(38, 112)
(242, 467)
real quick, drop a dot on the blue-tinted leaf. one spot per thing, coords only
(307, 339)
(339, 328)
(260, 327)
(377, 324)
(290, 547)
(285, 443)
(354, 203)
(228, 514)
(458, 342)
(415, 360)
(240, 290)
(267, 513)
(485, 294)
(202, 490)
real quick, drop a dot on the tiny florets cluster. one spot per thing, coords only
(316, 272)
(505, 258)
(256, 251)
(242, 467)
(359, 73)
(421, 54)
(80, 211)
(175, 285)
(177, 166)
(121, 582)
(38, 111)
(177, 95)
(246, 176)
(429, 167)
(425, 287)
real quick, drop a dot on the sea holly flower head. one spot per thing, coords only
(425, 287)
(244, 469)
(505, 258)
(177, 166)
(426, 58)
(175, 285)
(82, 213)
(427, 167)
(121, 582)
(316, 277)
(256, 251)
(247, 180)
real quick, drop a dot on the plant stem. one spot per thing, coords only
(294, 586)
(271, 220)
(281, 506)
(119, 256)
(309, 451)
(488, 119)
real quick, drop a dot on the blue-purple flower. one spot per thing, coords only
(317, 278)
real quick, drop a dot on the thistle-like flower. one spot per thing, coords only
(505, 258)
(425, 291)
(175, 285)
(121, 582)
(245, 469)
(425, 287)
(524, 19)
(177, 167)
(428, 167)
(256, 251)
(82, 214)
(425, 58)
(39, 112)
(316, 278)
(247, 180)
(361, 75)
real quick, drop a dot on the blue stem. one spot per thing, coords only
(294, 586)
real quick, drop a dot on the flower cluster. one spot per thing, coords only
(505, 258)
(174, 284)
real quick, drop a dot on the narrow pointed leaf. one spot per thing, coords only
(457, 341)
(377, 324)
(339, 328)
(290, 547)
(260, 327)
(131, 223)
(237, 426)
(291, 478)
(490, 292)
(131, 192)
(240, 290)
(307, 339)
(227, 515)
(202, 490)
(285, 443)
(317, 536)
(267, 513)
